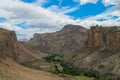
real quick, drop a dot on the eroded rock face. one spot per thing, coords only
(94, 61)
(104, 37)
(11, 48)
(67, 40)
(7, 43)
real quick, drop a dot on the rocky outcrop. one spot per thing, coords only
(67, 40)
(104, 37)
(7, 43)
(11, 48)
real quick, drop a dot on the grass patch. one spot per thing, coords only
(83, 78)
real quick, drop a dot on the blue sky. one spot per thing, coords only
(83, 11)
(27, 17)
(29, 1)
(3, 19)
(89, 10)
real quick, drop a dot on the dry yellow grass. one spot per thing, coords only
(83, 78)
(10, 70)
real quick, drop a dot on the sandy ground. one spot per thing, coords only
(10, 70)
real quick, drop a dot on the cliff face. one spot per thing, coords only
(7, 43)
(11, 48)
(104, 37)
(67, 40)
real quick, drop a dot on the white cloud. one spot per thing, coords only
(82, 2)
(63, 10)
(109, 2)
(107, 15)
(112, 2)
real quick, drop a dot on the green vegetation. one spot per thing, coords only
(71, 71)
(96, 77)
(52, 63)
(89, 74)
(64, 69)
(53, 58)
(59, 67)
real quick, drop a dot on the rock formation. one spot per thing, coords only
(104, 37)
(67, 40)
(11, 48)
(7, 43)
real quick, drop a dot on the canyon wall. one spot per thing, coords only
(10, 47)
(104, 37)
(7, 42)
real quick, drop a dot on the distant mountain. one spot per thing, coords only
(11, 48)
(67, 40)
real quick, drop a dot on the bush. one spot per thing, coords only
(89, 74)
(53, 58)
(71, 71)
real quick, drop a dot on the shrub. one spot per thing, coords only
(70, 70)
(53, 58)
